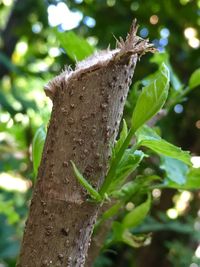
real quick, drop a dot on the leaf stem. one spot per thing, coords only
(112, 170)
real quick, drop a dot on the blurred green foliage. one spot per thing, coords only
(35, 45)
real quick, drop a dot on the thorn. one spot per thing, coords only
(108, 48)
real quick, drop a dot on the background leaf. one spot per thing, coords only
(151, 99)
(192, 181)
(129, 189)
(76, 47)
(194, 79)
(137, 215)
(149, 138)
(176, 170)
(159, 58)
(7, 209)
(37, 147)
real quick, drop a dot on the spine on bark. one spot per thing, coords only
(87, 108)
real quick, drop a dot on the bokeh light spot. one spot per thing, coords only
(130, 206)
(165, 33)
(61, 15)
(197, 252)
(7, 2)
(194, 42)
(172, 213)
(54, 52)
(134, 6)
(154, 19)
(89, 21)
(178, 108)
(156, 193)
(111, 3)
(37, 27)
(12, 183)
(190, 32)
(21, 47)
(197, 124)
(144, 32)
(195, 161)
(184, 2)
(163, 41)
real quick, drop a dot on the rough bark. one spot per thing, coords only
(87, 108)
(98, 238)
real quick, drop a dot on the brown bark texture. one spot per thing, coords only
(87, 108)
(98, 238)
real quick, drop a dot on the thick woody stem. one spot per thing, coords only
(87, 108)
(99, 237)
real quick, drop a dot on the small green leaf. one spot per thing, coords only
(117, 231)
(129, 189)
(123, 135)
(176, 170)
(119, 234)
(126, 190)
(92, 192)
(195, 79)
(111, 211)
(137, 215)
(76, 47)
(129, 162)
(151, 99)
(133, 240)
(192, 181)
(149, 138)
(37, 147)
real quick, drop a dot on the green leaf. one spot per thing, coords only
(129, 162)
(133, 240)
(92, 192)
(151, 99)
(195, 79)
(7, 209)
(159, 58)
(147, 137)
(119, 234)
(37, 147)
(117, 231)
(126, 190)
(137, 215)
(123, 135)
(111, 211)
(176, 170)
(76, 47)
(192, 181)
(129, 189)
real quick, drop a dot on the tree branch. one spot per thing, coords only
(87, 107)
